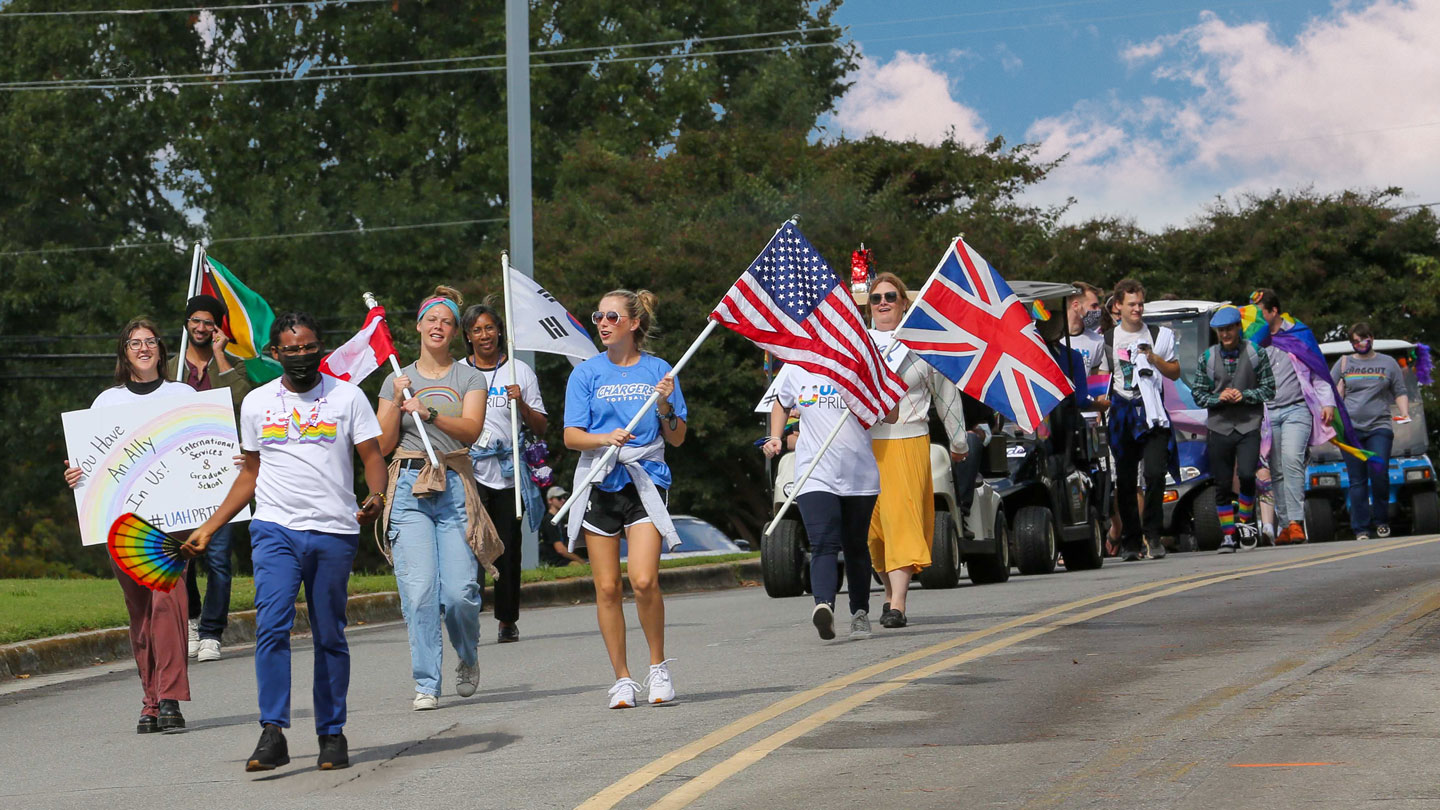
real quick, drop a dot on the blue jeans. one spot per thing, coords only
(1290, 428)
(1370, 481)
(435, 571)
(283, 560)
(214, 610)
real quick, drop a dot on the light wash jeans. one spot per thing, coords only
(1289, 450)
(435, 572)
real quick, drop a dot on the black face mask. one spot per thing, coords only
(302, 369)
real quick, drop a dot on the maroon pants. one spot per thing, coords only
(158, 639)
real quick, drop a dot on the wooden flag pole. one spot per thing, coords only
(795, 490)
(514, 380)
(371, 303)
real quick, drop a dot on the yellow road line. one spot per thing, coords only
(710, 779)
(616, 792)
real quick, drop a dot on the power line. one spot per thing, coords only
(214, 9)
(265, 238)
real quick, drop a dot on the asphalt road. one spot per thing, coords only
(1292, 677)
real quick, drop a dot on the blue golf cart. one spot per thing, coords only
(1414, 502)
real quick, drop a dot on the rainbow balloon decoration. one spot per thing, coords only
(146, 554)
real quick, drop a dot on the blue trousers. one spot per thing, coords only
(283, 560)
(834, 523)
(214, 611)
(435, 570)
(1370, 482)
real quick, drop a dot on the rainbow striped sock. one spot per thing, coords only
(1246, 513)
(1227, 519)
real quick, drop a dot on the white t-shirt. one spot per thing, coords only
(914, 407)
(305, 441)
(1091, 345)
(1125, 378)
(120, 395)
(848, 467)
(497, 415)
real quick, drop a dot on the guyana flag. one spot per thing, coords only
(246, 323)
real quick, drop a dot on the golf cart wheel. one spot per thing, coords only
(1319, 520)
(1034, 540)
(1206, 520)
(783, 566)
(1087, 554)
(988, 569)
(1425, 513)
(944, 569)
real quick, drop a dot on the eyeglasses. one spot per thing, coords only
(136, 344)
(298, 350)
(612, 316)
(888, 297)
(197, 322)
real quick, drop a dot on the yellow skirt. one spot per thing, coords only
(904, 516)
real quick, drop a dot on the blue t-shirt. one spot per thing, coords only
(602, 397)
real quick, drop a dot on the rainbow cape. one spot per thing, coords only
(1296, 339)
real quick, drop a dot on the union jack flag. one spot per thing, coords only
(789, 303)
(971, 326)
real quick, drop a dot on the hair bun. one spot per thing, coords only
(443, 291)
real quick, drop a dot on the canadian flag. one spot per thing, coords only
(362, 354)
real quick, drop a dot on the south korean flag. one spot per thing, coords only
(542, 324)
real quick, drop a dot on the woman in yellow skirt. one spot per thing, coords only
(904, 517)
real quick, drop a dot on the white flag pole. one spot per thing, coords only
(514, 380)
(190, 291)
(610, 452)
(371, 303)
(795, 490)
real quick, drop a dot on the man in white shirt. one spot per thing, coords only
(1084, 316)
(1139, 354)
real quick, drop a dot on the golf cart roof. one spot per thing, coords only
(1335, 348)
(1191, 307)
(1029, 291)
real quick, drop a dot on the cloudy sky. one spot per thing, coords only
(1161, 105)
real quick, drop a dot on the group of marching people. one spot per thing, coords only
(442, 524)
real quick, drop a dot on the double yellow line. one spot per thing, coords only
(1040, 623)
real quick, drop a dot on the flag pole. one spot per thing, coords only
(190, 291)
(514, 380)
(371, 303)
(612, 451)
(795, 490)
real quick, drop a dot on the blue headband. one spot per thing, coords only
(426, 307)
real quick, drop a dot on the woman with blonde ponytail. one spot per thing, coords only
(603, 395)
(434, 519)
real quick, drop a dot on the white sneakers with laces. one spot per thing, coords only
(209, 650)
(860, 625)
(661, 688)
(194, 638)
(622, 694)
(467, 678)
(424, 702)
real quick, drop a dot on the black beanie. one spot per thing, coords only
(205, 303)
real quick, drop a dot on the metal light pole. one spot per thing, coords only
(522, 239)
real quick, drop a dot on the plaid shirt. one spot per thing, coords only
(1203, 388)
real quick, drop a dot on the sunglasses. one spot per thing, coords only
(888, 297)
(296, 351)
(612, 316)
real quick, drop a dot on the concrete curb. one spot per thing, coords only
(74, 650)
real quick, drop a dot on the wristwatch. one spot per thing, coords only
(434, 414)
(672, 420)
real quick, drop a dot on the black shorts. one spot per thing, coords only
(609, 513)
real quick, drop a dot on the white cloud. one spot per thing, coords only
(905, 98)
(1353, 101)
(1009, 60)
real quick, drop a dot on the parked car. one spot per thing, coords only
(697, 539)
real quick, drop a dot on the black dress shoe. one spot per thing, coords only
(509, 633)
(170, 717)
(893, 619)
(271, 752)
(334, 752)
(149, 724)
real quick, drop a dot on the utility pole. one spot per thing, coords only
(522, 217)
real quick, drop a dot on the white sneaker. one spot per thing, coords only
(194, 637)
(622, 694)
(1229, 546)
(209, 650)
(860, 625)
(424, 702)
(823, 617)
(658, 683)
(467, 678)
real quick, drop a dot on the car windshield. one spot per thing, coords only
(1192, 336)
(697, 535)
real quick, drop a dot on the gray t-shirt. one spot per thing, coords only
(1370, 386)
(1287, 383)
(446, 395)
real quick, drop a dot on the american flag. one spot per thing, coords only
(971, 326)
(790, 303)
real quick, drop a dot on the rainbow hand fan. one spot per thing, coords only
(146, 554)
